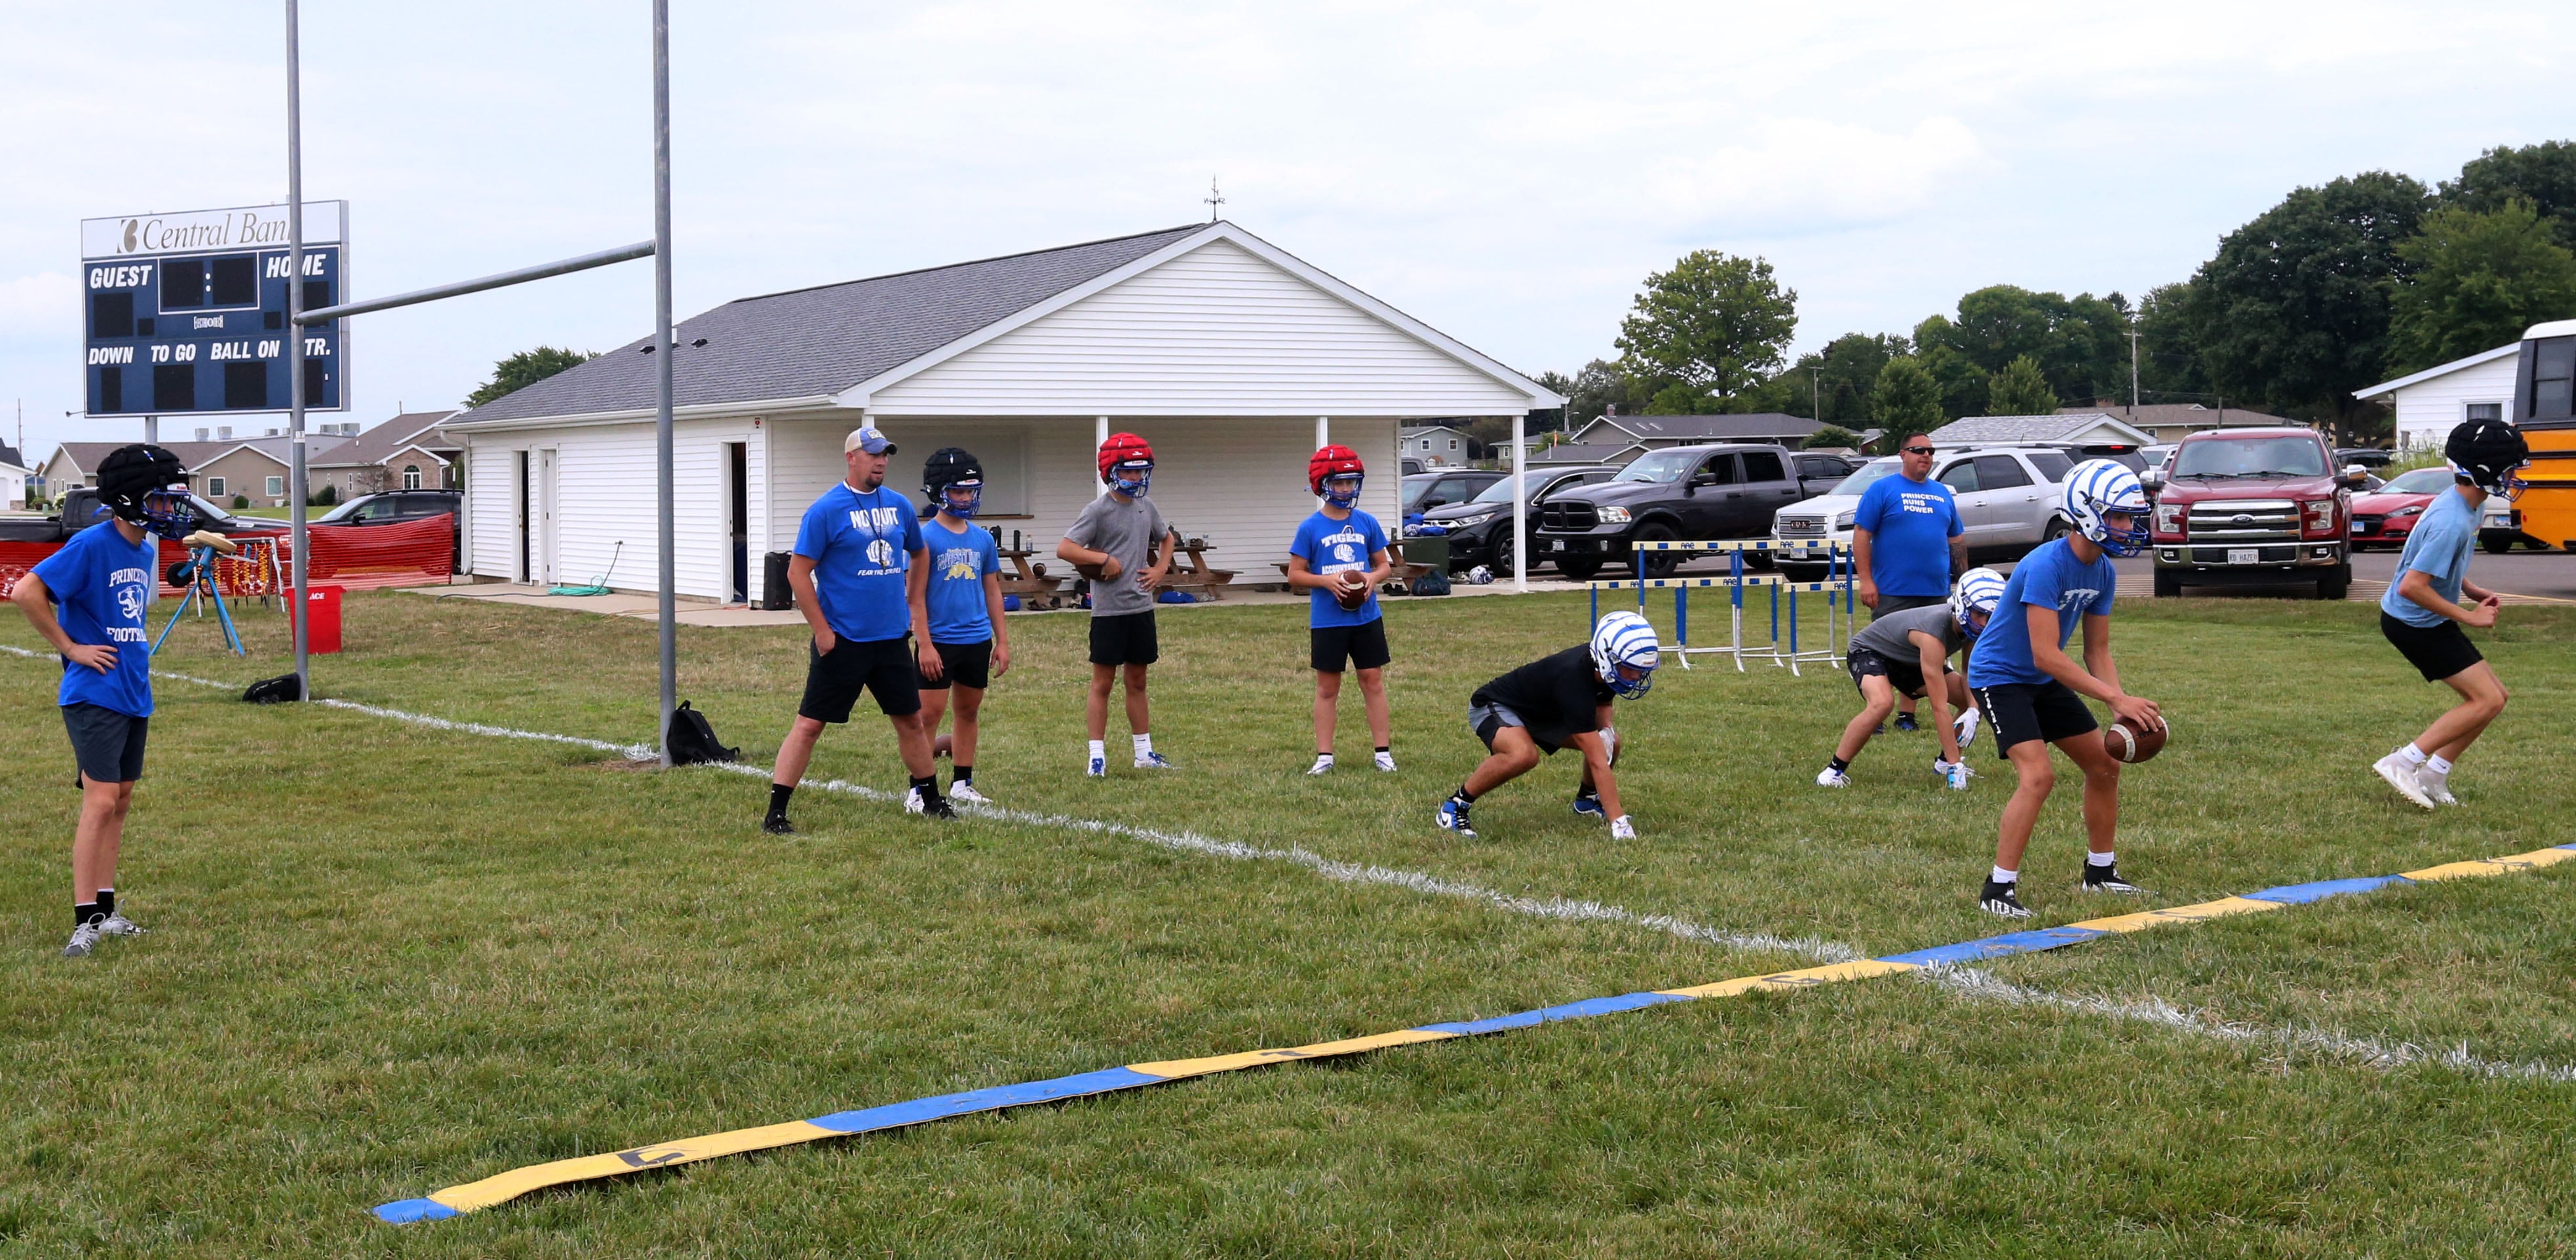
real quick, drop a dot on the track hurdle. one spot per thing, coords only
(1836, 588)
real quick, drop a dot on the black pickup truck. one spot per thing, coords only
(1683, 492)
(80, 511)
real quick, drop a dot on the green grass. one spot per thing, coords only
(389, 959)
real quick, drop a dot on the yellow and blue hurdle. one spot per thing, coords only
(1837, 583)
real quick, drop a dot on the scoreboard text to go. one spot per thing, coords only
(208, 333)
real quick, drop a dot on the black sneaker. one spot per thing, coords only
(1906, 722)
(2106, 879)
(2000, 900)
(777, 825)
(931, 804)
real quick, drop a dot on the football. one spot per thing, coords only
(1351, 591)
(2128, 744)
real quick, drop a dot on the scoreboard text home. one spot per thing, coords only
(187, 312)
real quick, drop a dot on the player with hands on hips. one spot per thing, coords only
(1121, 542)
(1557, 700)
(1340, 555)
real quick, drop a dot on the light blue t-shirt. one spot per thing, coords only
(1329, 546)
(959, 562)
(1910, 525)
(2050, 577)
(105, 585)
(861, 545)
(2438, 547)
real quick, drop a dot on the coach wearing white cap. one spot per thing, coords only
(861, 575)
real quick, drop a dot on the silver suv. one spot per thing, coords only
(2008, 496)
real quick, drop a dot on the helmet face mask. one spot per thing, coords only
(1132, 478)
(1342, 490)
(1624, 654)
(1973, 601)
(1127, 465)
(1335, 474)
(2098, 490)
(961, 499)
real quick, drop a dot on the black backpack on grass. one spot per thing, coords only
(693, 739)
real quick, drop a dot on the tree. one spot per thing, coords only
(2543, 174)
(524, 369)
(2293, 312)
(1715, 324)
(2169, 363)
(2480, 279)
(1907, 400)
(1833, 436)
(2080, 344)
(1601, 385)
(2020, 389)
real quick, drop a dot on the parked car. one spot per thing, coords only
(2009, 501)
(1682, 492)
(389, 506)
(81, 510)
(2254, 506)
(1408, 465)
(2366, 456)
(1480, 528)
(2386, 516)
(1424, 491)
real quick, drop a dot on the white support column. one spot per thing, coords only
(1323, 432)
(1099, 435)
(1520, 506)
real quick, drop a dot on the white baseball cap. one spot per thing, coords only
(867, 438)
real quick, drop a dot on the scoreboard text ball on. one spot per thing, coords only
(187, 312)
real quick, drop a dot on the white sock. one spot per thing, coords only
(1144, 745)
(2002, 876)
(2441, 769)
(2411, 755)
(2102, 858)
(1099, 750)
(1323, 759)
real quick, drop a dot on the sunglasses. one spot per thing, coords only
(1916, 450)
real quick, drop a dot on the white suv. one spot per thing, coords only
(2009, 501)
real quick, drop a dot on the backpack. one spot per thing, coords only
(693, 739)
(1435, 582)
(278, 690)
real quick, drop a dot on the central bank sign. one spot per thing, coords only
(185, 313)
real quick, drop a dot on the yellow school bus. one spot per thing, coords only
(2544, 408)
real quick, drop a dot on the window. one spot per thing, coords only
(2483, 411)
(214, 487)
(1453, 444)
(1720, 471)
(1820, 466)
(411, 476)
(276, 487)
(2553, 373)
(1961, 477)
(2052, 465)
(1761, 466)
(2000, 472)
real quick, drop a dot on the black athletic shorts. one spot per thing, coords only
(1125, 639)
(107, 744)
(964, 664)
(2437, 652)
(882, 666)
(1363, 645)
(2022, 712)
(1905, 676)
(1487, 719)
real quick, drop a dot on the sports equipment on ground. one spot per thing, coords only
(118, 925)
(953, 466)
(2489, 453)
(1336, 474)
(84, 939)
(146, 485)
(1323, 765)
(1978, 591)
(1622, 829)
(2002, 901)
(2401, 776)
(1624, 638)
(1830, 777)
(2097, 488)
(1453, 817)
(1350, 590)
(1155, 761)
(2129, 744)
(2437, 786)
(1127, 464)
(966, 792)
(2105, 879)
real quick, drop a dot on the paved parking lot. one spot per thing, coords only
(2525, 577)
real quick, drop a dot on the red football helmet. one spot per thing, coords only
(1331, 461)
(1125, 450)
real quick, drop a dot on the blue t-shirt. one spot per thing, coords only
(2050, 577)
(1910, 526)
(1329, 546)
(860, 545)
(104, 585)
(2438, 547)
(958, 563)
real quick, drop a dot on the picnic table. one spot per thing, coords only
(1030, 581)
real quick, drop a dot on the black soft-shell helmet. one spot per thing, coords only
(953, 466)
(2488, 452)
(146, 485)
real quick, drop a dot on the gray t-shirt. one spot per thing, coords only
(1891, 636)
(1128, 532)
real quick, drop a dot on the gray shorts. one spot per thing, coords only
(107, 744)
(1485, 719)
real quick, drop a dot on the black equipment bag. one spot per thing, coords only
(278, 690)
(693, 739)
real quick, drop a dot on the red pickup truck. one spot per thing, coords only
(2254, 507)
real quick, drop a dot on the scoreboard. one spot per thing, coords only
(185, 313)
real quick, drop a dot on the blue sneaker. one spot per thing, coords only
(1453, 817)
(1587, 804)
(1099, 768)
(1906, 722)
(1154, 761)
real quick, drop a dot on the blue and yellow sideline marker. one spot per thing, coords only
(504, 1187)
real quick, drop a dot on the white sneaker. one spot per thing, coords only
(84, 939)
(2402, 777)
(912, 802)
(2437, 786)
(1097, 769)
(1154, 761)
(1830, 777)
(1386, 762)
(966, 792)
(118, 925)
(1323, 765)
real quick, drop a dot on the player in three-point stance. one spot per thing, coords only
(861, 576)
(2032, 693)
(2421, 615)
(1894, 657)
(1337, 548)
(1124, 537)
(965, 599)
(105, 579)
(1554, 701)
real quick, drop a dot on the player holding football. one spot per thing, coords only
(1554, 701)
(1897, 654)
(965, 602)
(1122, 537)
(2421, 615)
(1340, 555)
(2033, 693)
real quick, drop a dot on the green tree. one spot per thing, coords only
(2080, 343)
(2480, 279)
(1679, 399)
(524, 369)
(1958, 381)
(1832, 384)
(1714, 324)
(2020, 389)
(1601, 385)
(2293, 312)
(2542, 174)
(1831, 436)
(2169, 363)
(1907, 400)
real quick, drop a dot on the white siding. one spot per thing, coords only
(604, 478)
(2428, 410)
(1216, 331)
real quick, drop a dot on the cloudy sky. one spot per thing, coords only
(1506, 172)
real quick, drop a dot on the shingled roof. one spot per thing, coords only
(809, 342)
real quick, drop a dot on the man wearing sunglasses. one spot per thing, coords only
(1906, 542)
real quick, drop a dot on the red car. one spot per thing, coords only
(2384, 517)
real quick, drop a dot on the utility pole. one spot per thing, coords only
(1815, 393)
(2133, 371)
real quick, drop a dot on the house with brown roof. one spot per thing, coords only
(2168, 422)
(408, 452)
(221, 471)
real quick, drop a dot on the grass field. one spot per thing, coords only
(387, 959)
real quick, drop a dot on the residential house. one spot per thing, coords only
(1585, 453)
(2089, 428)
(408, 452)
(221, 470)
(18, 482)
(2431, 403)
(1656, 432)
(1436, 445)
(2168, 422)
